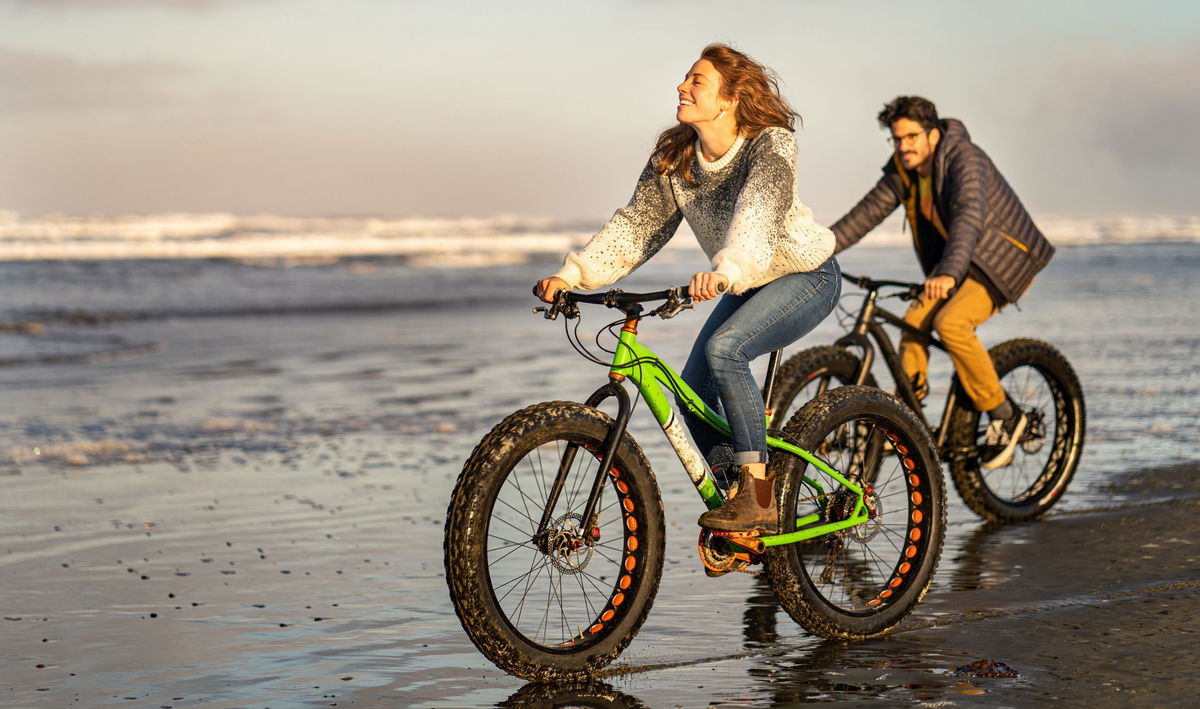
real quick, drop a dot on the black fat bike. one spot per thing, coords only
(1036, 376)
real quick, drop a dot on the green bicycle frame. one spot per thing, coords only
(653, 378)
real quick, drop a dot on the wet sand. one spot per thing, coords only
(247, 511)
(1089, 608)
(314, 603)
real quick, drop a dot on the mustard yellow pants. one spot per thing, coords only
(955, 319)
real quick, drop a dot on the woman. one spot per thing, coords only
(728, 167)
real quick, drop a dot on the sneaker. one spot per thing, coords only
(1000, 440)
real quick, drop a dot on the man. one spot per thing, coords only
(977, 245)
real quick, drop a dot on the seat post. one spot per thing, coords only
(769, 385)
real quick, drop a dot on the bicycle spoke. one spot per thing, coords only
(534, 572)
(528, 517)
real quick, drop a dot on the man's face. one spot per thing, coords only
(913, 143)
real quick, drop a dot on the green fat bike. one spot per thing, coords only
(555, 530)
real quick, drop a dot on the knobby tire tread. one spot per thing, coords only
(965, 471)
(471, 594)
(793, 587)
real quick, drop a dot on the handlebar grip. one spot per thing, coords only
(539, 295)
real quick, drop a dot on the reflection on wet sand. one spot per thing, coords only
(594, 695)
(967, 563)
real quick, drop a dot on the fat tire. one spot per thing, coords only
(635, 577)
(912, 484)
(1069, 419)
(798, 371)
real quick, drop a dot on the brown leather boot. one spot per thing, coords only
(751, 509)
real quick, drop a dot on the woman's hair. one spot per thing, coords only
(759, 105)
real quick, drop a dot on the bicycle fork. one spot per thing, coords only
(608, 455)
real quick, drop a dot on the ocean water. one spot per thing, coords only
(1125, 315)
(225, 480)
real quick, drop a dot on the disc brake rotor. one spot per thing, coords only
(866, 531)
(841, 507)
(567, 548)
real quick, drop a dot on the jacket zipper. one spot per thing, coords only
(1015, 243)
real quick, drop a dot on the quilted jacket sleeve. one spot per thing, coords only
(872, 209)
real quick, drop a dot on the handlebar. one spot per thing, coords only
(565, 301)
(911, 290)
(868, 283)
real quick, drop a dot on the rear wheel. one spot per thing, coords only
(1041, 382)
(564, 602)
(862, 581)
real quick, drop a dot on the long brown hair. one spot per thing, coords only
(759, 105)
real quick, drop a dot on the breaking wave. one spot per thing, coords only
(423, 241)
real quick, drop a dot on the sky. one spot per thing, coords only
(444, 108)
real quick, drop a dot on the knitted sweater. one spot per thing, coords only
(744, 212)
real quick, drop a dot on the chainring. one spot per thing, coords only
(721, 560)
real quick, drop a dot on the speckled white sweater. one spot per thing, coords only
(745, 214)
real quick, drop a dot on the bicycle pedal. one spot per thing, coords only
(749, 541)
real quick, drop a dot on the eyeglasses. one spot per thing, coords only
(897, 140)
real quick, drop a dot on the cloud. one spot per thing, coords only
(1103, 128)
(32, 82)
(1142, 110)
(1152, 115)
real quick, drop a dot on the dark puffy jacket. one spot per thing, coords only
(985, 222)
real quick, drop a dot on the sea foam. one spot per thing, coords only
(428, 241)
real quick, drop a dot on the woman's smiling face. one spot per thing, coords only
(700, 94)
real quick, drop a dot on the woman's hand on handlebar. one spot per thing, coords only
(547, 288)
(706, 286)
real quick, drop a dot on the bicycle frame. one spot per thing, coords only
(868, 327)
(653, 378)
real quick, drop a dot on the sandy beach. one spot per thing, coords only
(265, 285)
(226, 503)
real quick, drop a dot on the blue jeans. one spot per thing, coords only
(741, 328)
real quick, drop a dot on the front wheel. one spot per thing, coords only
(860, 582)
(566, 600)
(1041, 382)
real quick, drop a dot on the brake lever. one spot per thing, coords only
(561, 305)
(676, 304)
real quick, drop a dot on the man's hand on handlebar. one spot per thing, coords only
(708, 285)
(547, 288)
(938, 287)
